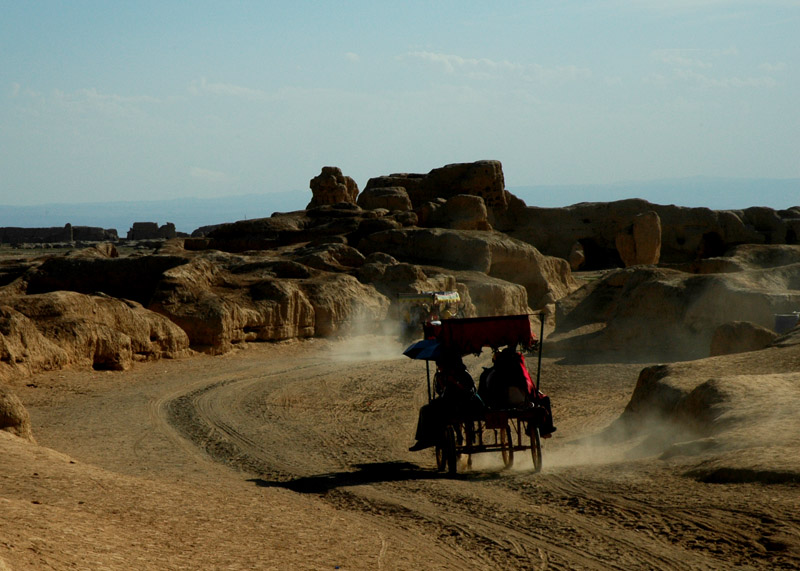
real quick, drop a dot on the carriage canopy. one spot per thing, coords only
(470, 335)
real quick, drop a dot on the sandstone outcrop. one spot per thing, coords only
(544, 278)
(577, 257)
(493, 296)
(50, 331)
(687, 234)
(332, 187)
(660, 314)
(224, 299)
(14, 417)
(460, 212)
(689, 409)
(640, 242)
(100, 331)
(24, 350)
(132, 277)
(481, 178)
(342, 221)
(101, 250)
(390, 198)
(740, 337)
(331, 257)
(339, 265)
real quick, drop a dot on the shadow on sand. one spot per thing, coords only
(372, 473)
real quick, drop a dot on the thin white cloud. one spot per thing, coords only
(692, 57)
(95, 96)
(773, 67)
(18, 90)
(724, 82)
(351, 56)
(486, 68)
(693, 66)
(707, 81)
(88, 100)
(681, 58)
(452, 63)
(202, 85)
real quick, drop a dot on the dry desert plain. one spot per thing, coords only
(294, 455)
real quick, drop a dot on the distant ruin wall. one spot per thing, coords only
(151, 230)
(69, 233)
(35, 235)
(94, 234)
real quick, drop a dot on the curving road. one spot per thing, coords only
(335, 421)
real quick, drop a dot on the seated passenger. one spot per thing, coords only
(456, 399)
(507, 384)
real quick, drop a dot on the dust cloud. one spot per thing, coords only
(583, 454)
(367, 348)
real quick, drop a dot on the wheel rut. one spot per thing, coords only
(340, 430)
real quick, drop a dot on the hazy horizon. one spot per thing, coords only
(105, 102)
(191, 213)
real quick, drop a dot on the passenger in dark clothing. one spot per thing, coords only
(508, 384)
(456, 399)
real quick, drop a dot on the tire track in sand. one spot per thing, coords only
(210, 415)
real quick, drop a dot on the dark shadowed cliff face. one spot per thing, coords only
(133, 278)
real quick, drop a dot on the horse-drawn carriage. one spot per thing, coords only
(514, 415)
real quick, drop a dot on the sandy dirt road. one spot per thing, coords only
(295, 456)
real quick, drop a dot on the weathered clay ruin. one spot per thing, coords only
(665, 279)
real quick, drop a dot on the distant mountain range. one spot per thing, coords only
(189, 214)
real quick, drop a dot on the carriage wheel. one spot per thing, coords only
(536, 448)
(446, 451)
(507, 446)
(441, 460)
(449, 449)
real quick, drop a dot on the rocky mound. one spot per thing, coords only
(661, 314)
(47, 331)
(740, 337)
(482, 179)
(545, 278)
(14, 418)
(23, 348)
(687, 234)
(223, 299)
(730, 418)
(131, 277)
(338, 267)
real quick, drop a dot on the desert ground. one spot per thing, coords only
(294, 455)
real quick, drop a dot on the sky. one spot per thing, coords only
(140, 100)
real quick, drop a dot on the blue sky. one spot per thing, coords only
(107, 101)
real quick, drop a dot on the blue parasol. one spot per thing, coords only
(425, 350)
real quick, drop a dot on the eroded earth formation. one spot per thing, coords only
(703, 300)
